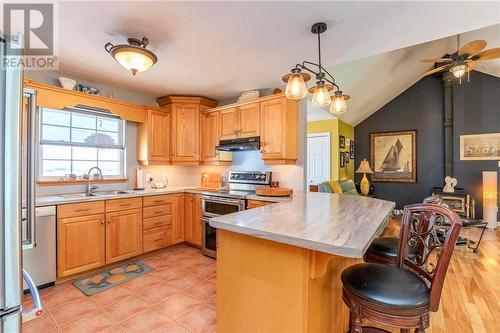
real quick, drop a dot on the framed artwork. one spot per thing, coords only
(393, 156)
(478, 147)
(346, 156)
(342, 159)
(351, 149)
(342, 141)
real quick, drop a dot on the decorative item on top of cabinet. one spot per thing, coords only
(185, 126)
(153, 137)
(278, 130)
(210, 133)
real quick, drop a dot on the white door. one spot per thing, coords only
(318, 157)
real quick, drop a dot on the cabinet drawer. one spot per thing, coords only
(154, 222)
(156, 238)
(157, 211)
(122, 204)
(257, 203)
(156, 200)
(80, 209)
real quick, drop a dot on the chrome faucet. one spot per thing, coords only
(91, 189)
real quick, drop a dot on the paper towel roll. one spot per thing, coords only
(139, 178)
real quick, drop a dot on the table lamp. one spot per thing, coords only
(490, 195)
(364, 168)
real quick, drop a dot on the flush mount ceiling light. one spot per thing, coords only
(133, 56)
(296, 81)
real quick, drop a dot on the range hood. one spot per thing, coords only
(242, 144)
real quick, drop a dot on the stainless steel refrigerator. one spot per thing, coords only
(11, 202)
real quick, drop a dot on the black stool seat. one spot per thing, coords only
(386, 285)
(388, 247)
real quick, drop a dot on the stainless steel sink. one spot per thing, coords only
(78, 195)
(96, 194)
(115, 192)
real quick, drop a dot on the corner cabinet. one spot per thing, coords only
(278, 130)
(153, 138)
(185, 125)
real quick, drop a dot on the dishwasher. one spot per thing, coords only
(39, 258)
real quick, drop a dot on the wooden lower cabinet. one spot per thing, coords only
(157, 238)
(257, 203)
(80, 244)
(123, 235)
(177, 218)
(193, 223)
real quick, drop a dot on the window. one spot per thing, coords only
(71, 142)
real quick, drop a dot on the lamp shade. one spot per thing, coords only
(364, 167)
(296, 86)
(490, 192)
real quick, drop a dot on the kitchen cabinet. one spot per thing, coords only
(160, 213)
(240, 121)
(177, 218)
(153, 137)
(210, 133)
(80, 244)
(278, 130)
(185, 125)
(257, 203)
(80, 237)
(193, 214)
(123, 234)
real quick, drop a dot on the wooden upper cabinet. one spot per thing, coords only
(123, 235)
(229, 123)
(249, 119)
(240, 121)
(153, 138)
(210, 129)
(278, 131)
(185, 144)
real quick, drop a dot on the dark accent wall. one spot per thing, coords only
(418, 108)
(476, 110)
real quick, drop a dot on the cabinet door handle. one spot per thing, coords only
(124, 205)
(82, 210)
(158, 223)
(108, 222)
(158, 239)
(102, 222)
(159, 212)
(262, 145)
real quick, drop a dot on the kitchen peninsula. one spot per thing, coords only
(279, 266)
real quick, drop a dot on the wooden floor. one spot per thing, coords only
(471, 294)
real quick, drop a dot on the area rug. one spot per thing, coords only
(112, 277)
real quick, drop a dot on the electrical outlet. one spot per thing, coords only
(149, 177)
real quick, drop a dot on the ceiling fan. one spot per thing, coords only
(464, 60)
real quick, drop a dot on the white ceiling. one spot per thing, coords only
(219, 49)
(374, 81)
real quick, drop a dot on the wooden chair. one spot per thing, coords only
(384, 250)
(403, 295)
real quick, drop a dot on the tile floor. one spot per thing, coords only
(177, 297)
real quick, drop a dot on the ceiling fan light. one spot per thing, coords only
(296, 86)
(458, 71)
(321, 96)
(339, 104)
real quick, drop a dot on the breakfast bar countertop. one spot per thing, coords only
(343, 225)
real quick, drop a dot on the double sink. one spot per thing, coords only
(97, 194)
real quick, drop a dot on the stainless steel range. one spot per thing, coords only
(227, 201)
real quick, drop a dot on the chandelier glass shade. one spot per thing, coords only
(133, 56)
(296, 81)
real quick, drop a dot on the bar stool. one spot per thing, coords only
(403, 295)
(384, 250)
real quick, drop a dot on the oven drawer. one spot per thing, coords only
(156, 200)
(154, 222)
(157, 238)
(157, 211)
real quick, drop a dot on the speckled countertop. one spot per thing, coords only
(343, 225)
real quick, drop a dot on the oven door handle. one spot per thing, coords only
(223, 201)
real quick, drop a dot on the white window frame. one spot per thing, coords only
(40, 143)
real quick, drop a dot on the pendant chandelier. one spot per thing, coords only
(296, 81)
(133, 56)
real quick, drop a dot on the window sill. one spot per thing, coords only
(79, 182)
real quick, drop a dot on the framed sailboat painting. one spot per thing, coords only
(393, 156)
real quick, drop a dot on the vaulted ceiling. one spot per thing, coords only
(219, 49)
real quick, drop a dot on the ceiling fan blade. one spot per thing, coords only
(473, 47)
(436, 60)
(487, 55)
(436, 70)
